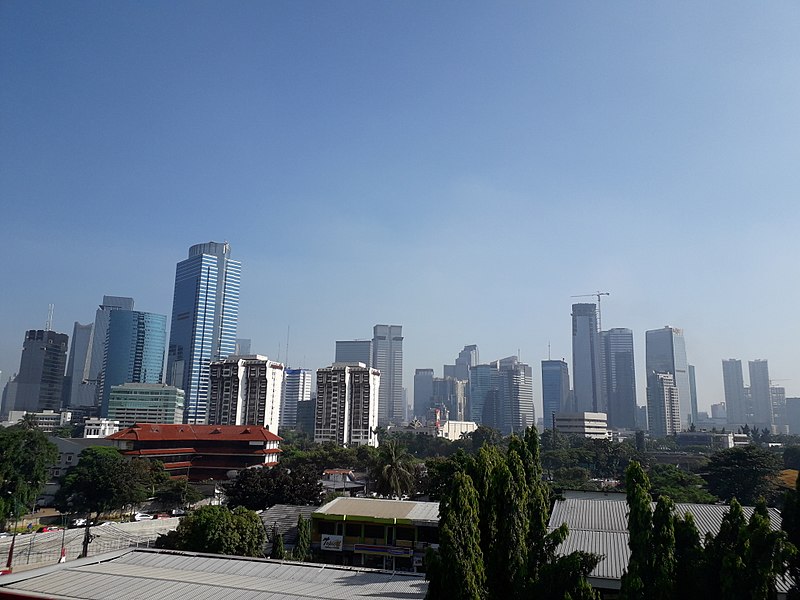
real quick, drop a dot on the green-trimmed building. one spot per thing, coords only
(157, 403)
(384, 534)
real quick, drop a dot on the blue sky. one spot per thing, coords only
(460, 168)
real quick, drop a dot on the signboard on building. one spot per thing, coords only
(382, 550)
(331, 542)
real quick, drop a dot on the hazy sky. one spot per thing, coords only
(459, 168)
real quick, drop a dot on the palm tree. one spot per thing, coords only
(394, 470)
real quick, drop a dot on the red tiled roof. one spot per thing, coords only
(156, 432)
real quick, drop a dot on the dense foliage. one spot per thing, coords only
(746, 473)
(257, 489)
(218, 530)
(25, 455)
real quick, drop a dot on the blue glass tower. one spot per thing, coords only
(135, 343)
(205, 313)
(555, 389)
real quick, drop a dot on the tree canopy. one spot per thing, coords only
(219, 530)
(257, 489)
(25, 456)
(745, 473)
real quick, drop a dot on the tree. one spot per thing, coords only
(636, 580)
(302, 549)
(690, 572)
(790, 523)
(25, 455)
(104, 480)
(278, 549)
(767, 555)
(393, 471)
(744, 473)
(679, 485)
(218, 530)
(662, 554)
(177, 492)
(791, 458)
(258, 489)
(458, 571)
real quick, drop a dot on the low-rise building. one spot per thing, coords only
(131, 403)
(46, 420)
(386, 534)
(201, 452)
(99, 428)
(709, 439)
(586, 424)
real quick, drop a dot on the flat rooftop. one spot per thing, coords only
(393, 511)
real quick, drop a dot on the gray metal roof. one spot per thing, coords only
(166, 575)
(284, 517)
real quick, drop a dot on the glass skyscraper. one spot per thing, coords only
(135, 344)
(205, 313)
(619, 377)
(555, 390)
(587, 372)
(387, 357)
(665, 352)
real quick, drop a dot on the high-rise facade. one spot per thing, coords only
(468, 357)
(205, 313)
(99, 333)
(346, 411)
(693, 390)
(663, 404)
(245, 390)
(131, 403)
(387, 357)
(778, 396)
(619, 377)
(733, 383)
(39, 383)
(78, 391)
(451, 394)
(354, 351)
(502, 395)
(665, 352)
(135, 343)
(587, 371)
(555, 389)
(423, 392)
(759, 392)
(297, 385)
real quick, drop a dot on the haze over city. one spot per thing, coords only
(461, 169)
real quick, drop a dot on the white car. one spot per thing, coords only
(142, 517)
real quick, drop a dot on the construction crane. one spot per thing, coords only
(599, 314)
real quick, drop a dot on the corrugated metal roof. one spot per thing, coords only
(382, 509)
(168, 575)
(284, 518)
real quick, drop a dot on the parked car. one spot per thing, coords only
(142, 517)
(178, 512)
(48, 529)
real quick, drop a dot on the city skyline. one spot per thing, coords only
(585, 122)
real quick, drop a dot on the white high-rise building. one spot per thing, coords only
(387, 357)
(245, 390)
(663, 405)
(760, 393)
(665, 352)
(346, 411)
(296, 388)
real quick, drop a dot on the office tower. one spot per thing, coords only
(777, 396)
(693, 391)
(793, 415)
(245, 390)
(346, 411)
(242, 347)
(78, 390)
(468, 357)
(502, 395)
(665, 352)
(451, 394)
(205, 312)
(663, 404)
(131, 403)
(387, 357)
(135, 343)
(354, 351)
(39, 383)
(587, 372)
(641, 417)
(619, 377)
(759, 392)
(719, 411)
(99, 334)
(555, 389)
(423, 392)
(733, 382)
(296, 390)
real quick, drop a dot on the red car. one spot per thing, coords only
(47, 529)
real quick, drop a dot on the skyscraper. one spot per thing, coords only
(346, 410)
(205, 313)
(78, 390)
(759, 391)
(555, 389)
(387, 357)
(693, 390)
(39, 383)
(468, 357)
(587, 372)
(452, 394)
(665, 352)
(423, 392)
(296, 390)
(663, 404)
(503, 393)
(354, 351)
(733, 382)
(245, 390)
(135, 343)
(619, 377)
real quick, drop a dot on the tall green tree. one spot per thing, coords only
(678, 485)
(790, 523)
(767, 556)
(637, 578)
(302, 549)
(278, 549)
(393, 472)
(744, 473)
(257, 489)
(457, 571)
(218, 530)
(25, 457)
(662, 555)
(690, 570)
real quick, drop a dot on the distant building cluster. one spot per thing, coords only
(114, 375)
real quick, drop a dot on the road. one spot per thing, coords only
(39, 549)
